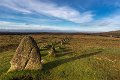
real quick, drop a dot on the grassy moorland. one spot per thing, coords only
(83, 57)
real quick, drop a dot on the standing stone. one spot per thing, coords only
(52, 51)
(61, 42)
(27, 56)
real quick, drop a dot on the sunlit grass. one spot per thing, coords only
(82, 58)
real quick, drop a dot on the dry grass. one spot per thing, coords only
(83, 57)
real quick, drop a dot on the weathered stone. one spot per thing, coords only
(27, 56)
(52, 51)
(61, 42)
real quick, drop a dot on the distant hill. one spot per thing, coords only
(109, 34)
(115, 32)
(106, 34)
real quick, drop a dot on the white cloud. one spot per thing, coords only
(22, 26)
(113, 21)
(4, 25)
(49, 9)
(13, 5)
(109, 23)
(63, 12)
(95, 27)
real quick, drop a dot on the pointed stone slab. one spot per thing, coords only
(27, 56)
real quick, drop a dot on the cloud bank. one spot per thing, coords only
(48, 9)
(61, 13)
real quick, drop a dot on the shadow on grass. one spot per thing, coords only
(42, 55)
(44, 49)
(53, 64)
(8, 47)
(23, 78)
(64, 52)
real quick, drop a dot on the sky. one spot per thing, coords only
(63, 15)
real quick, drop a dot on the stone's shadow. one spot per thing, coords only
(44, 49)
(53, 64)
(64, 52)
(8, 47)
(23, 78)
(42, 55)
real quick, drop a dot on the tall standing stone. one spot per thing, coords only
(27, 56)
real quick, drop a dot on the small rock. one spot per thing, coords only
(52, 51)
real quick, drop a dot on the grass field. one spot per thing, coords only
(83, 57)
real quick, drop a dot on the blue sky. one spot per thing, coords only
(70, 15)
